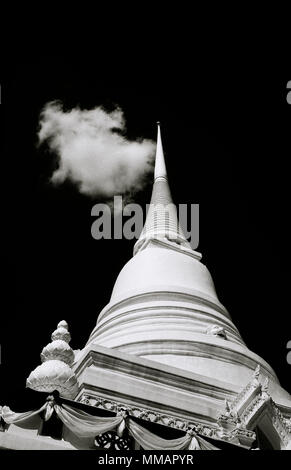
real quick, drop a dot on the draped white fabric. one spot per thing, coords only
(150, 441)
(204, 445)
(10, 417)
(84, 425)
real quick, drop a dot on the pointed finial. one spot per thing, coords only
(160, 166)
(61, 332)
(265, 386)
(256, 375)
(63, 324)
(257, 372)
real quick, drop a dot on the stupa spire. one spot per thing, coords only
(162, 220)
(160, 166)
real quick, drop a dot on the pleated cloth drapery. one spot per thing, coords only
(84, 425)
(150, 441)
(9, 417)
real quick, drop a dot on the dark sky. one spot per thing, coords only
(226, 130)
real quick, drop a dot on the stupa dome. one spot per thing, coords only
(159, 268)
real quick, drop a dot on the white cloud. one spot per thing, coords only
(99, 160)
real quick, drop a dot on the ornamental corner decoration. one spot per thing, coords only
(55, 372)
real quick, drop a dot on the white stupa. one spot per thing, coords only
(164, 341)
(164, 351)
(164, 306)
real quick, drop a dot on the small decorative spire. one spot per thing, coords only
(59, 347)
(61, 332)
(256, 375)
(55, 372)
(257, 372)
(265, 386)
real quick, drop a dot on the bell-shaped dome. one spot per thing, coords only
(160, 267)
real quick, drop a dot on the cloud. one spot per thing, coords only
(93, 152)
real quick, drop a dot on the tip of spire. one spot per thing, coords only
(160, 167)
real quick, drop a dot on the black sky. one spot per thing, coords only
(226, 130)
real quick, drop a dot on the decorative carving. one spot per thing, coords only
(167, 420)
(179, 424)
(247, 403)
(228, 416)
(85, 400)
(237, 435)
(216, 330)
(265, 387)
(241, 397)
(255, 382)
(252, 408)
(110, 440)
(208, 432)
(280, 425)
(109, 405)
(62, 332)
(122, 412)
(55, 372)
(150, 415)
(59, 350)
(263, 398)
(288, 424)
(231, 427)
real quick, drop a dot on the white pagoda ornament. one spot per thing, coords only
(55, 372)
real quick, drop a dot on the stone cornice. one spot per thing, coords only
(147, 370)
